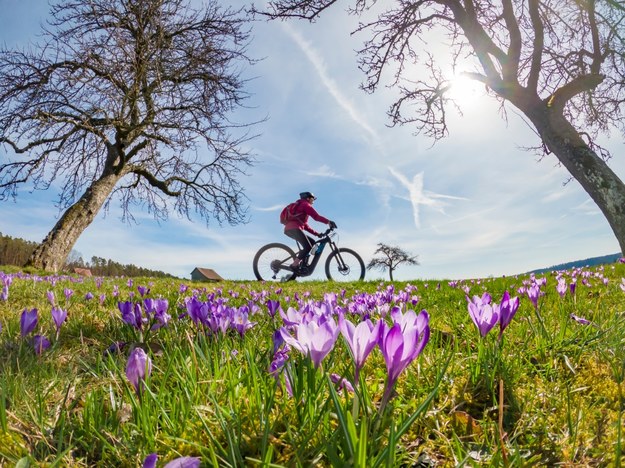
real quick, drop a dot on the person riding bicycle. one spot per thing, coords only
(297, 222)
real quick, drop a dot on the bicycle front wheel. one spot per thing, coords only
(345, 265)
(270, 260)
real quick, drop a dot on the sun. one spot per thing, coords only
(465, 91)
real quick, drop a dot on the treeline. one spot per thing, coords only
(16, 251)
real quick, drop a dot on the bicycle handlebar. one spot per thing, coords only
(327, 232)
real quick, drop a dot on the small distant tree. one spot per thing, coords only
(390, 258)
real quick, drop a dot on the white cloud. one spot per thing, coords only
(315, 58)
(322, 171)
(418, 196)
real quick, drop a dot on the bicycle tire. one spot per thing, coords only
(355, 266)
(268, 254)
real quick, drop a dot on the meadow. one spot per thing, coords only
(513, 371)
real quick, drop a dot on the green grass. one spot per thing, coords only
(550, 393)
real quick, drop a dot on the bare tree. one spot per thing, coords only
(561, 63)
(126, 100)
(390, 258)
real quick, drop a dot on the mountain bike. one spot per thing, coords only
(273, 261)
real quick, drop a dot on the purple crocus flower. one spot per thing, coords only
(341, 383)
(88, 296)
(291, 317)
(579, 319)
(160, 313)
(484, 314)
(533, 292)
(150, 461)
(181, 462)
(400, 347)
(40, 343)
(131, 314)
(58, 316)
(68, 293)
(313, 339)
(279, 360)
(507, 309)
(5, 280)
(273, 307)
(138, 368)
(198, 310)
(361, 340)
(278, 366)
(277, 340)
(240, 320)
(115, 348)
(562, 287)
(50, 296)
(28, 321)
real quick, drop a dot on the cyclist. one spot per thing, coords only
(297, 223)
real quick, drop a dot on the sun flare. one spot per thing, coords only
(465, 91)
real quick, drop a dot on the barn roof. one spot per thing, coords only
(208, 273)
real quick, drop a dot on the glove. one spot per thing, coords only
(332, 225)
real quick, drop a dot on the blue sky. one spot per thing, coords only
(472, 205)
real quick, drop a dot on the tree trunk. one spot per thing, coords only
(605, 188)
(390, 273)
(51, 254)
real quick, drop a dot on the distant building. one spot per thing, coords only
(205, 274)
(82, 271)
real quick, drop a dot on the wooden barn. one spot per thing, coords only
(82, 271)
(205, 274)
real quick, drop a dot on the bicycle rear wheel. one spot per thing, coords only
(345, 265)
(269, 261)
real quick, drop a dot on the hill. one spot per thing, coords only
(602, 260)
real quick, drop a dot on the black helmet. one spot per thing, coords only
(304, 195)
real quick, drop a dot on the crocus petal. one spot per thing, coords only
(579, 319)
(392, 350)
(184, 462)
(58, 316)
(138, 368)
(484, 314)
(150, 461)
(366, 336)
(28, 321)
(40, 343)
(508, 308)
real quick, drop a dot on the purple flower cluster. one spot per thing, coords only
(216, 316)
(5, 281)
(148, 314)
(486, 314)
(313, 328)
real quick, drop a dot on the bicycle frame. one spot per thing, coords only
(308, 268)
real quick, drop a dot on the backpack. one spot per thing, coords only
(291, 213)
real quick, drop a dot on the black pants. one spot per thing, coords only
(305, 242)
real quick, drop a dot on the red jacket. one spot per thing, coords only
(307, 209)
